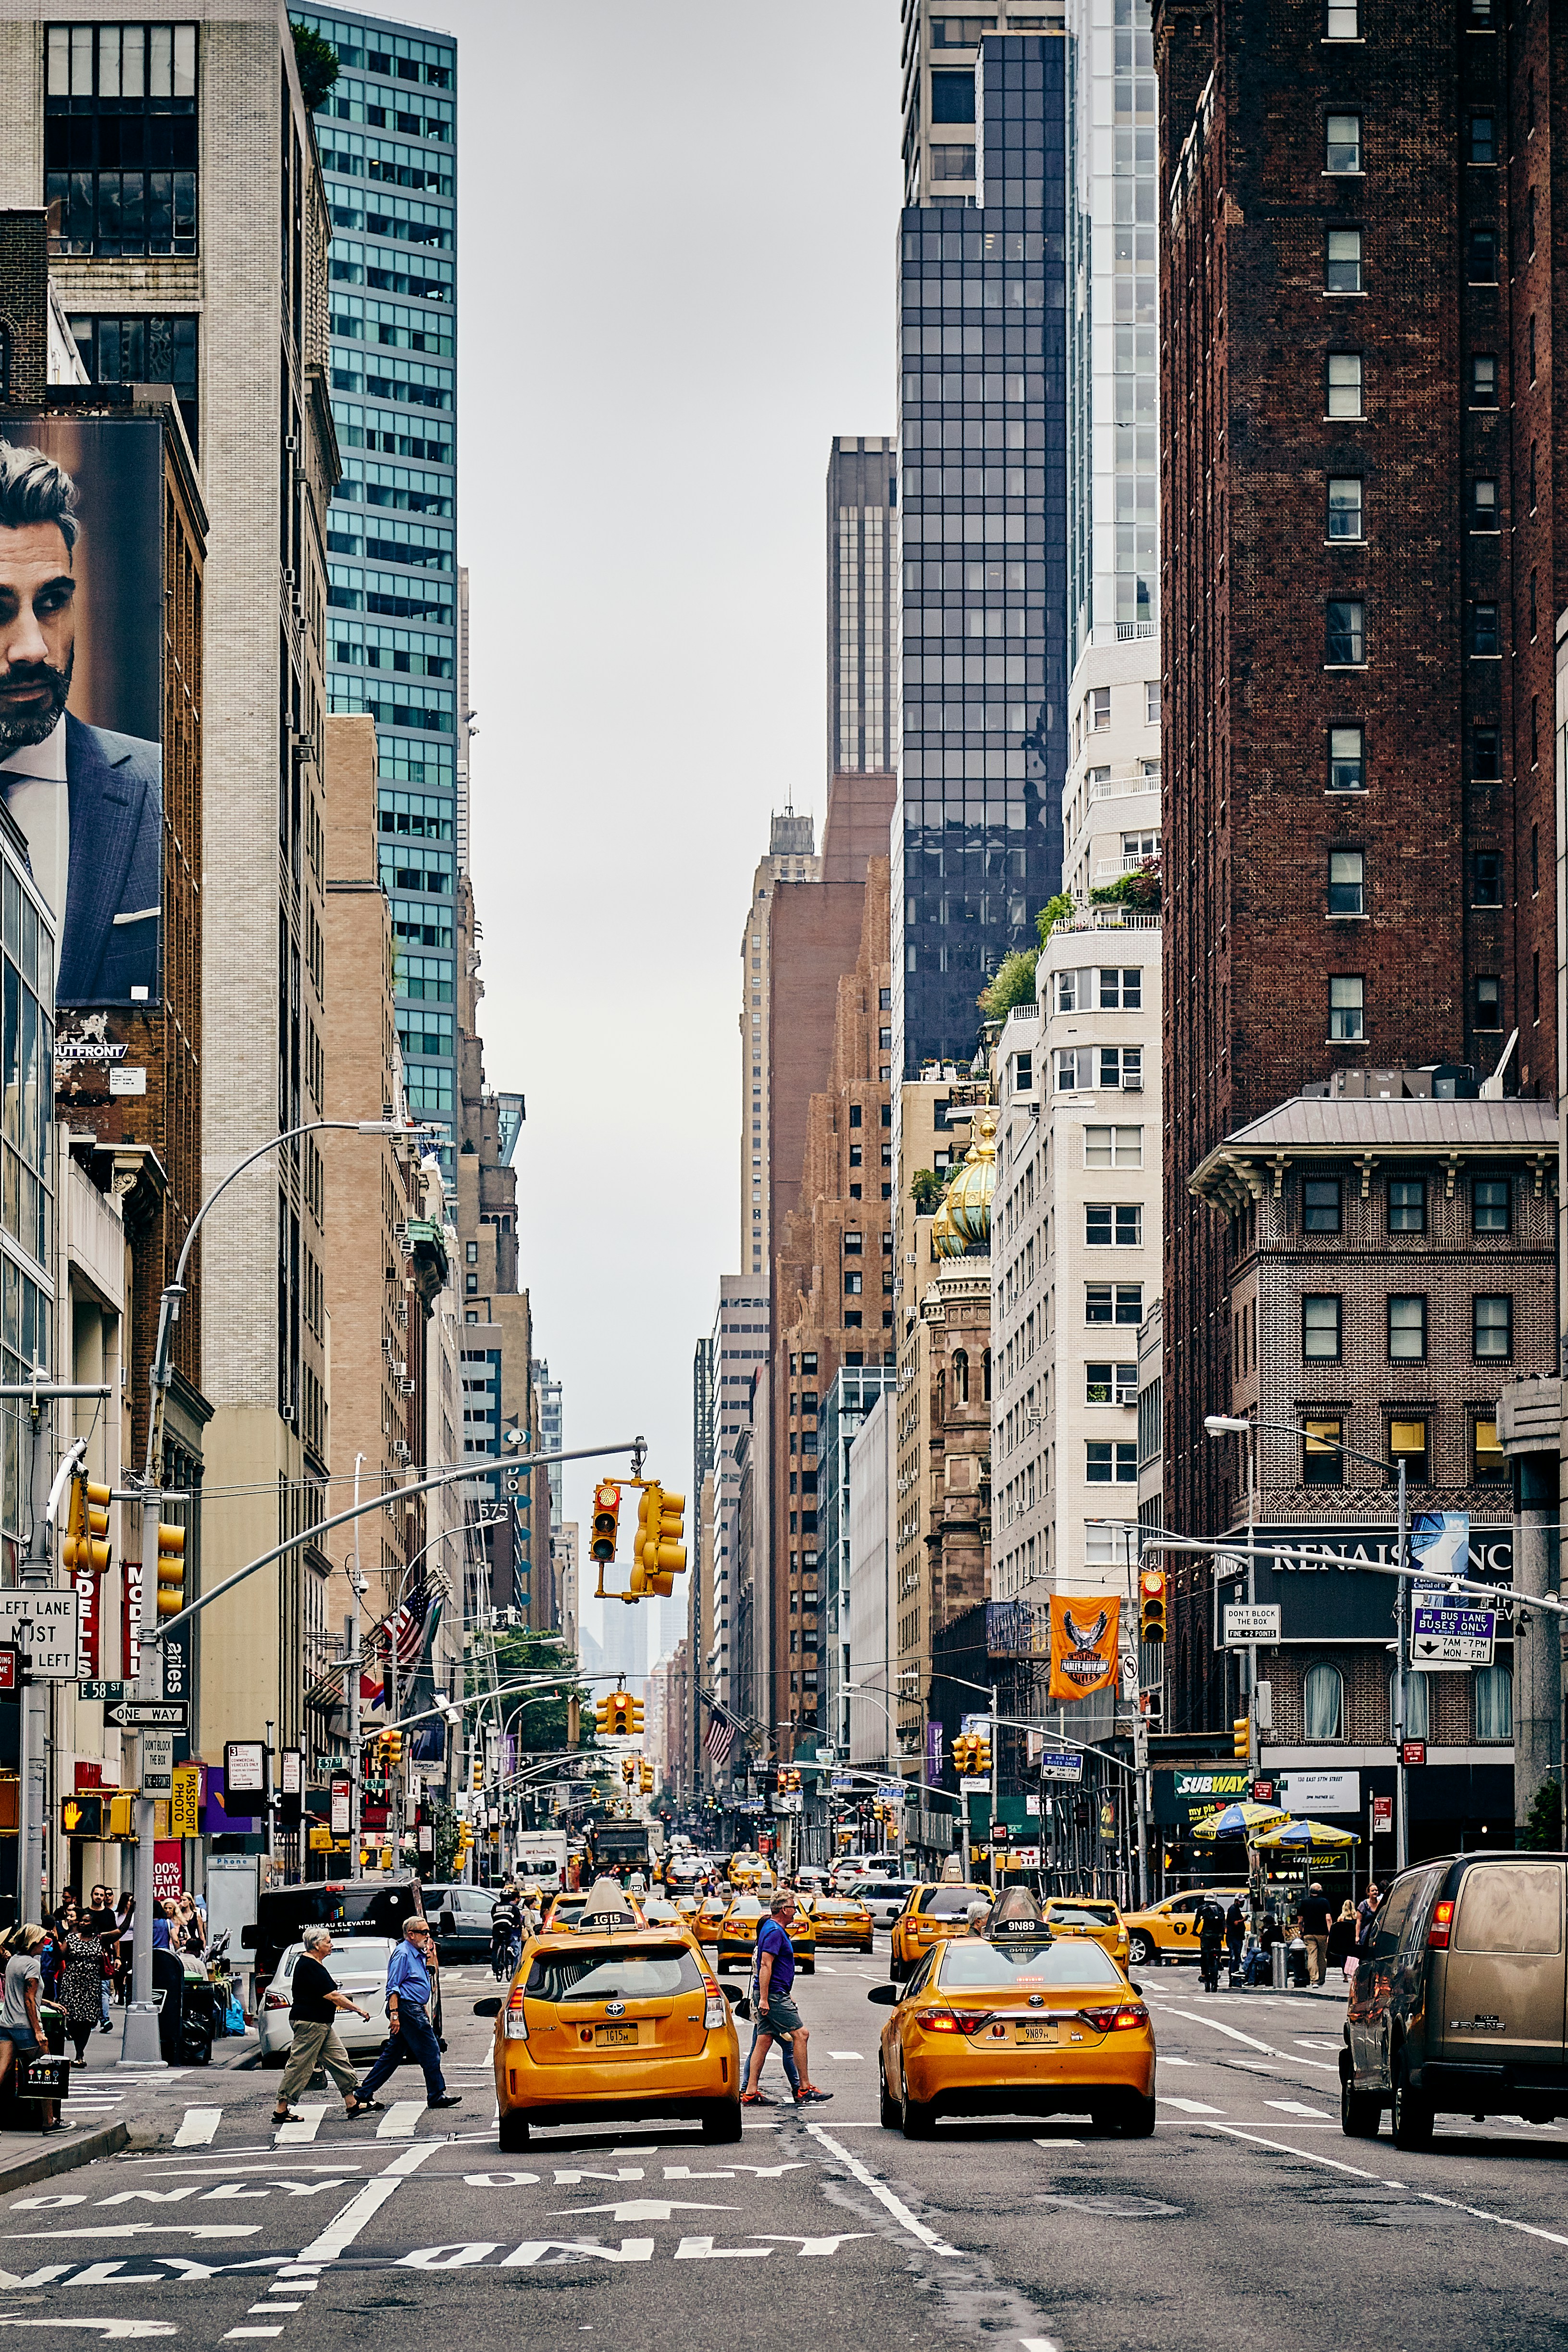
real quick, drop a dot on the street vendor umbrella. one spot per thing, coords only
(1239, 1821)
(1303, 1836)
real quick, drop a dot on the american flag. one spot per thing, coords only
(718, 1739)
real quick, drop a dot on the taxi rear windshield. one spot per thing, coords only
(603, 1972)
(951, 1902)
(1083, 1915)
(966, 1963)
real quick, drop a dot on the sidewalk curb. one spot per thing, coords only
(64, 2155)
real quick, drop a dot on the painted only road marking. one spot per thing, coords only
(1191, 2106)
(199, 2126)
(400, 2119)
(884, 2196)
(1294, 2107)
(345, 2227)
(294, 2134)
(115, 2330)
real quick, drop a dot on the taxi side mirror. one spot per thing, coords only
(1137, 1988)
(489, 2006)
(886, 1996)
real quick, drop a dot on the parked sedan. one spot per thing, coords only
(359, 1968)
(460, 1918)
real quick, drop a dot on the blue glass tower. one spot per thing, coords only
(388, 134)
(982, 434)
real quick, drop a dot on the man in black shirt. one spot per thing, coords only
(312, 2013)
(1317, 1917)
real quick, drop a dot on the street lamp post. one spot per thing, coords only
(1222, 1424)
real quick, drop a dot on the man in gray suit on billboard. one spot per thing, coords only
(89, 802)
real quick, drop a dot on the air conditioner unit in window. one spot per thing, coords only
(1132, 1082)
(400, 1238)
(406, 1388)
(399, 1450)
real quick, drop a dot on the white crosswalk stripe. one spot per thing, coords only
(198, 2128)
(400, 2119)
(1191, 2106)
(308, 2125)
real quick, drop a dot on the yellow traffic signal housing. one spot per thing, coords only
(980, 1747)
(961, 1745)
(392, 1747)
(171, 1569)
(123, 1816)
(634, 1717)
(1241, 1737)
(86, 1547)
(606, 1519)
(628, 1769)
(661, 1553)
(605, 1716)
(1152, 1604)
(478, 1774)
(647, 1779)
(620, 1715)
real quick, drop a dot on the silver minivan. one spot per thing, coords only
(1462, 2007)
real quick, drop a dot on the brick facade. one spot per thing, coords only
(1454, 773)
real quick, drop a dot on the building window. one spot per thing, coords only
(1341, 261)
(1323, 1464)
(1023, 1074)
(952, 96)
(1488, 1461)
(1120, 1302)
(1344, 636)
(1321, 1314)
(1122, 1066)
(1151, 702)
(1483, 380)
(1322, 1701)
(1494, 1702)
(952, 163)
(1484, 641)
(1341, 146)
(885, 1000)
(1490, 1205)
(1483, 257)
(1486, 889)
(1486, 755)
(1483, 138)
(1110, 1384)
(1114, 1147)
(1347, 759)
(1488, 1000)
(1345, 517)
(1105, 1463)
(1407, 1444)
(1098, 708)
(1407, 1205)
(854, 1114)
(854, 1245)
(1118, 1225)
(1417, 1707)
(1342, 20)
(143, 347)
(1344, 383)
(1407, 1328)
(1347, 1009)
(1347, 882)
(470, 1284)
(1121, 991)
(1320, 1205)
(120, 139)
(1483, 503)
(471, 1253)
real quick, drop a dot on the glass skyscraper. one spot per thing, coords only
(387, 135)
(982, 493)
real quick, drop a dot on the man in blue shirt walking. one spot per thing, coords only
(412, 2041)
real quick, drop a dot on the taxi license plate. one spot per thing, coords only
(615, 2037)
(1037, 2032)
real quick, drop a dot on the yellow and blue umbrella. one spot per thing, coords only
(1244, 1820)
(1304, 1837)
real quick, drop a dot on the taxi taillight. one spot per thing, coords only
(1442, 1928)
(955, 2021)
(516, 2023)
(1123, 2020)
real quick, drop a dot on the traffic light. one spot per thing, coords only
(660, 1555)
(1152, 1604)
(1241, 1737)
(606, 1519)
(391, 1748)
(86, 1547)
(634, 1718)
(82, 1817)
(647, 1778)
(629, 1770)
(620, 1713)
(478, 1773)
(171, 1569)
(605, 1716)
(123, 1816)
(961, 1745)
(981, 1749)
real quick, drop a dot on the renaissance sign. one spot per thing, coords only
(1331, 1591)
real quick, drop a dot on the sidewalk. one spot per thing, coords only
(147, 2109)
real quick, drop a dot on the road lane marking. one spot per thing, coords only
(400, 2119)
(884, 2196)
(1190, 2106)
(1427, 2196)
(1267, 2048)
(1294, 2107)
(1166, 2059)
(198, 2128)
(345, 2227)
(294, 2134)
(1250, 2139)
(847, 2057)
(1058, 2143)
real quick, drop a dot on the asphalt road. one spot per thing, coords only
(1248, 2220)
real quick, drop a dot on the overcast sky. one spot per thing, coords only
(677, 228)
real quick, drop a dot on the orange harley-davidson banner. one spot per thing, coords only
(1084, 1627)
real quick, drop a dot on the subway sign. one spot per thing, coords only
(1331, 1591)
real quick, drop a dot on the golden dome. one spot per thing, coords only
(946, 1240)
(968, 1195)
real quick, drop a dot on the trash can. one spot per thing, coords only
(1278, 1959)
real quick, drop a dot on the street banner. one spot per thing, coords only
(184, 1807)
(1084, 1643)
(1440, 1543)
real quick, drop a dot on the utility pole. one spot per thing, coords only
(356, 1589)
(1402, 1637)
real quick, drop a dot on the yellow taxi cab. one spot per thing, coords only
(738, 1935)
(567, 1909)
(685, 1905)
(614, 2022)
(659, 1912)
(1016, 2023)
(709, 1918)
(839, 1922)
(1093, 1915)
(1167, 1930)
(932, 1912)
(746, 1866)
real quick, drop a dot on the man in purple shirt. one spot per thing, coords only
(778, 2019)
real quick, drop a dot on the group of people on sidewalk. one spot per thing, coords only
(411, 2041)
(1317, 1940)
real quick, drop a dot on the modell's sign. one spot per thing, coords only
(1329, 1589)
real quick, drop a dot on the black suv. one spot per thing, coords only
(361, 1907)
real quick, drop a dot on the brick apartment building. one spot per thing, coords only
(1363, 561)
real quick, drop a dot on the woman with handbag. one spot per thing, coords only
(21, 2027)
(82, 1982)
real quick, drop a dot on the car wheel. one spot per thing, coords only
(512, 2134)
(808, 1968)
(1360, 2113)
(917, 2118)
(275, 2059)
(1137, 2117)
(1142, 1952)
(721, 2123)
(1414, 2115)
(887, 2105)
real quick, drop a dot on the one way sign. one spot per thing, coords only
(1452, 1638)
